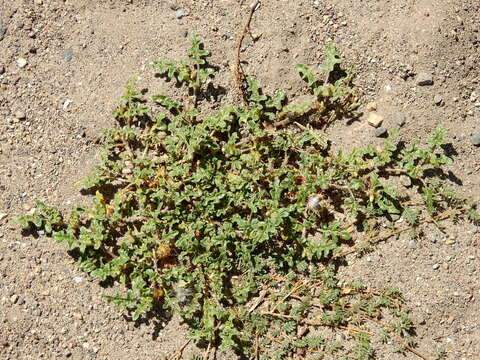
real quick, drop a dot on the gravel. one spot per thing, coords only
(437, 99)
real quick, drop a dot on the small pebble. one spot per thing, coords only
(2, 70)
(435, 266)
(424, 79)
(21, 62)
(20, 301)
(180, 13)
(437, 99)
(68, 54)
(372, 106)
(450, 241)
(3, 216)
(405, 181)
(381, 132)
(412, 245)
(475, 139)
(66, 104)
(374, 119)
(399, 119)
(126, 171)
(14, 298)
(78, 279)
(20, 115)
(3, 30)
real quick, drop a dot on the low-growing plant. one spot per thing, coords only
(236, 219)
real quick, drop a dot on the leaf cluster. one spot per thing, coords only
(197, 213)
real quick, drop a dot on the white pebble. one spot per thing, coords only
(21, 62)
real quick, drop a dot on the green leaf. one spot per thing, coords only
(331, 58)
(307, 74)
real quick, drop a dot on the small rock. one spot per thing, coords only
(437, 99)
(372, 106)
(2, 70)
(413, 245)
(14, 298)
(180, 13)
(374, 119)
(68, 54)
(450, 241)
(475, 139)
(405, 181)
(3, 216)
(399, 119)
(20, 115)
(20, 301)
(126, 171)
(21, 62)
(66, 104)
(424, 79)
(3, 30)
(38, 2)
(436, 266)
(450, 320)
(381, 132)
(78, 279)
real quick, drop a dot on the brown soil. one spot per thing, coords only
(80, 53)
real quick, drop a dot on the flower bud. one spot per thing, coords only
(313, 202)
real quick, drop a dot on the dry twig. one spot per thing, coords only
(313, 322)
(381, 237)
(239, 74)
(178, 353)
